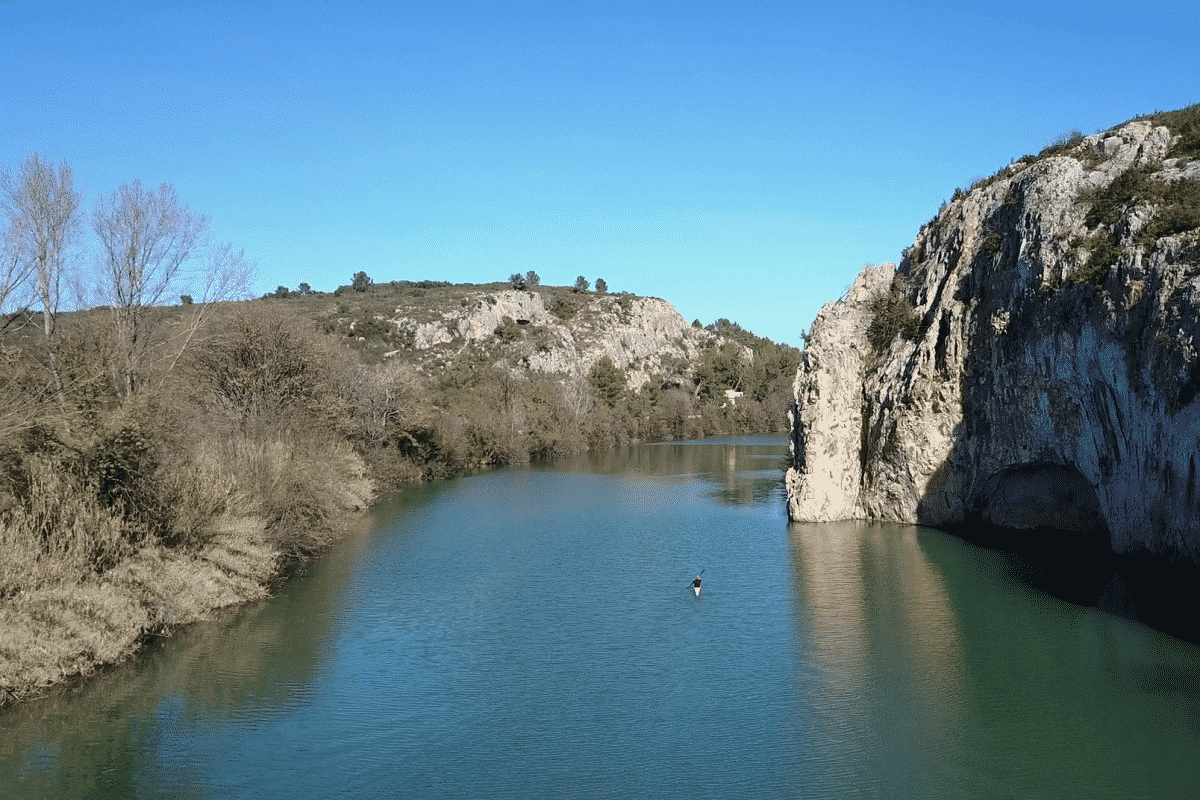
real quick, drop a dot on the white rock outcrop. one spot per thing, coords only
(639, 334)
(1055, 365)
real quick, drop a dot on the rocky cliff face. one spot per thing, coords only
(639, 334)
(1034, 360)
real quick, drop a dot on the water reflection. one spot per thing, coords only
(742, 471)
(103, 738)
(879, 626)
(530, 632)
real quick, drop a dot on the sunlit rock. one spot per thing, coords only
(1050, 374)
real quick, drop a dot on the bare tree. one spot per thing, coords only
(14, 272)
(41, 208)
(381, 397)
(146, 237)
(224, 276)
(578, 397)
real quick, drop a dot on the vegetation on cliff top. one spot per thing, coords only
(1139, 208)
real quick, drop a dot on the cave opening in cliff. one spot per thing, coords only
(1050, 516)
(1041, 495)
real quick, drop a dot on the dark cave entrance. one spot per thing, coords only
(1048, 516)
(1047, 496)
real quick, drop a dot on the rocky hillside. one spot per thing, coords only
(641, 335)
(457, 376)
(1034, 360)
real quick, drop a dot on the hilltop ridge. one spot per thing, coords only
(544, 329)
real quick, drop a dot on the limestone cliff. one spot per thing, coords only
(1033, 361)
(640, 334)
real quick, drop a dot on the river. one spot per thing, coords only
(531, 632)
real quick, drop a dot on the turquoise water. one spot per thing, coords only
(532, 633)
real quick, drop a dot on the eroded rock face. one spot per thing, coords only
(827, 420)
(1045, 337)
(638, 333)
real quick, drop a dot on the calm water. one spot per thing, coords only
(531, 633)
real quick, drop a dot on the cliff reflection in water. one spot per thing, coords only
(743, 470)
(944, 668)
(879, 625)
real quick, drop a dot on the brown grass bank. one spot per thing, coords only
(124, 514)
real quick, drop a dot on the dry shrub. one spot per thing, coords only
(269, 365)
(298, 483)
(453, 442)
(59, 533)
(193, 493)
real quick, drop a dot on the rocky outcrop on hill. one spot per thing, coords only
(1034, 360)
(639, 334)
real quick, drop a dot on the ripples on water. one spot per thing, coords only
(531, 633)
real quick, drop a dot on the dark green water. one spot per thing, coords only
(531, 633)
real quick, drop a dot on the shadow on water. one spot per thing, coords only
(1021, 590)
(1056, 688)
(1081, 568)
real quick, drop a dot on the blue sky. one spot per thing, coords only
(739, 159)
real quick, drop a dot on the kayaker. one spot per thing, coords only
(696, 582)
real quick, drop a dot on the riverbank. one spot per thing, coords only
(54, 635)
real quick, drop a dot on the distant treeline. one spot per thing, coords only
(475, 413)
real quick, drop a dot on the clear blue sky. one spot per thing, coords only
(739, 159)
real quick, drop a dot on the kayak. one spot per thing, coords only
(696, 589)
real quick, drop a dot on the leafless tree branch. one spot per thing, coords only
(146, 238)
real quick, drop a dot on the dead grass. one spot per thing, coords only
(67, 631)
(58, 536)
(56, 633)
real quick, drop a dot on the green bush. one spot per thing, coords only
(564, 309)
(1178, 213)
(508, 331)
(892, 314)
(1109, 204)
(1101, 257)
(371, 328)
(1184, 123)
(122, 464)
(1062, 143)
(608, 380)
